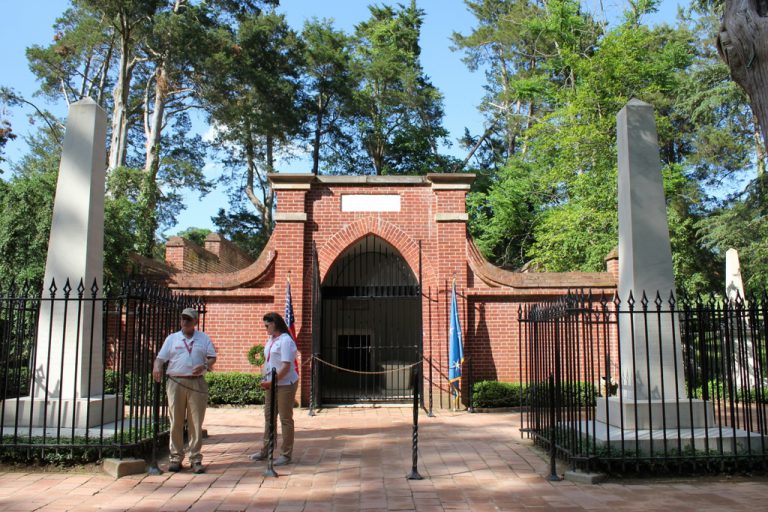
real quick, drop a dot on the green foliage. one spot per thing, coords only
(242, 228)
(135, 389)
(26, 208)
(398, 112)
(195, 235)
(492, 393)
(556, 80)
(329, 83)
(234, 388)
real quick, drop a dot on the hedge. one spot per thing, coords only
(492, 393)
(234, 388)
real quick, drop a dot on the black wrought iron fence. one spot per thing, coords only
(75, 368)
(655, 383)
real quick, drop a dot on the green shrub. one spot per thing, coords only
(234, 388)
(572, 394)
(14, 382)
(718, 390)
(492, 393)
(129, 387)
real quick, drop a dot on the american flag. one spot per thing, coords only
(289, 318)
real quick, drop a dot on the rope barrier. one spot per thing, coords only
(382, 372)
(178, 383)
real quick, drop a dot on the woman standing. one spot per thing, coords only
(279, 353)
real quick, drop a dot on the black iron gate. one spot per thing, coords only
(370, 326)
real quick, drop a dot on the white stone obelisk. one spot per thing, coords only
(652, 378)
(69, 370)
(645, 261)
(741, 340)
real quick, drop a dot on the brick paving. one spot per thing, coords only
(356, 459)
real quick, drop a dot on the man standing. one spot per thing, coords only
(189, 354)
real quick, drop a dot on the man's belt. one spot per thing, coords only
(185, 376)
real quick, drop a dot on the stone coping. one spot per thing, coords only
(496, 277)
(464, 179)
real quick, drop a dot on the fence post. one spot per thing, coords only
(553, 477)
(470, 385)
(312, 370)
(270, 471)
(430, 414)
(414, 474)
(153, 467)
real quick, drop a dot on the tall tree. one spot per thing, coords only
(329, 82)
(252, 95)
(398, 111)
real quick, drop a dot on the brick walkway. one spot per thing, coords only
(357, 459)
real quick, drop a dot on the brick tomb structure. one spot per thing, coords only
(371, 261)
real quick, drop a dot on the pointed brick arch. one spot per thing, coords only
(390, 233)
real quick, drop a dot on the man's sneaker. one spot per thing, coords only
(258, 456)
(197, 468)
(175, 467)
(282, 461)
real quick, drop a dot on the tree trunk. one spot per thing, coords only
(119, 138)
(743, 45)
(264, 209)
(318, 133)
(153, 130)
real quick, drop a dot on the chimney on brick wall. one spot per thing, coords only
(612, 263)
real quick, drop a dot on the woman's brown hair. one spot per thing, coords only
(276, 319)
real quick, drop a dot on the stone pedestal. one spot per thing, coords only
(79, 413)
(654, 414)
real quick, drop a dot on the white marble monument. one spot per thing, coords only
(650, 346)
(68, 373)
(738, 324)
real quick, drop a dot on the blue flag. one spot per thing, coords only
(455, 351)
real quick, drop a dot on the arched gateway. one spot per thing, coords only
(370, 325)
(370, 260)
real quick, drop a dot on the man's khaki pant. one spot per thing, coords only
(187, 398)
(286, 395)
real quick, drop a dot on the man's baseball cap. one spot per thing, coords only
(190, 312)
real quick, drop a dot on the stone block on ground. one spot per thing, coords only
(118, 468)
(582, 477)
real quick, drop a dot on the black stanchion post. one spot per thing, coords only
(270, 471)
(312, 370)
(154, 469)
(553, 477)
(470, 385)
(430, 414)
(414, 474)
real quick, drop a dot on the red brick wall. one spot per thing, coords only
(432, 220)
